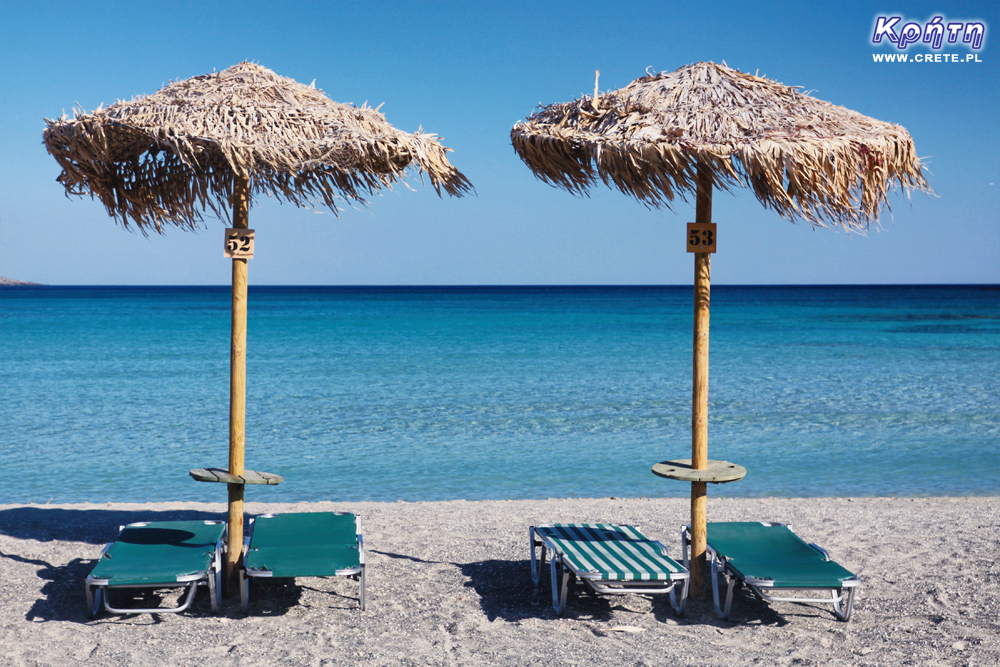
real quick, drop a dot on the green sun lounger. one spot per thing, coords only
(612, 559)
(308, 544)
(158, 555)
(769, 557)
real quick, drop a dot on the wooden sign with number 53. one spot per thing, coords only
(701, 237)
(239, 243)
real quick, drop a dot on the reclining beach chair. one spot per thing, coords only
(158, 555)
(768, 557)
(612, 559)
(310, 544)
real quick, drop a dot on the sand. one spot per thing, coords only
(449, 584)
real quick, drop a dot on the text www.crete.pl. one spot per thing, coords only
(926, 58)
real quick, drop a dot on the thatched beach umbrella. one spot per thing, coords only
(215, 141)
(708, 126)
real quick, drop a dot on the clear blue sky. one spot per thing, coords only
(468, 71)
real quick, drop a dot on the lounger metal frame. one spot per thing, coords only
(96, 588)
(562, 571)
(356, 573)
(842, 599)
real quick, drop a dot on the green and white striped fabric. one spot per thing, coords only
(617, 553)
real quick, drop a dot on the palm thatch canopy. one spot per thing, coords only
(803, 157)
(164, 158)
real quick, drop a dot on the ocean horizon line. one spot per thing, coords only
(534, 286)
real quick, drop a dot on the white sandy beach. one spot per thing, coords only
(449, 584)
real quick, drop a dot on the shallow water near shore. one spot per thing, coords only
(354, 394)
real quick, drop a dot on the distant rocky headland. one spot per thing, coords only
(9, 282)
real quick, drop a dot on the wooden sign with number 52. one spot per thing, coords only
(701, 237)
(239, 243)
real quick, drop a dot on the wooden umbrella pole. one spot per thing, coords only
(237, 386)
(699, 411)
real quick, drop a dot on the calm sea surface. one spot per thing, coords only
(113, 394)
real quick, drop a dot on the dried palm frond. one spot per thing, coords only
(166, 158)
(803, 157)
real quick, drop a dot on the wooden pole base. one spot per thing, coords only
(699, 526)
(234, 541)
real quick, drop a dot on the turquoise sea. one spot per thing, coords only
(114, 393)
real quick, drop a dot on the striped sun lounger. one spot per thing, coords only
(612, 559)
(769, 557)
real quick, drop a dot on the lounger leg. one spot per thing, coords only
(537, 564)
(214, 590)
(718, 570)
(847, 597)
(244, 591)
(218, 589)
(94, 594)
(679, 607)
(186, 599)
(560, 585)
(729, 596)
(535, 575)
(215, 577)
(715, 589)
(361, 581)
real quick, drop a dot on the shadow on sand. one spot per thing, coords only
(506, 591)
(63, 591)
(91, 526)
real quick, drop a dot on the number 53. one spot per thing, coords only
(701, 237)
